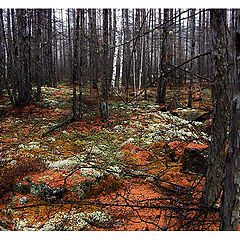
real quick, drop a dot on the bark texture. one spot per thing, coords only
(220, 93)
(231, 197)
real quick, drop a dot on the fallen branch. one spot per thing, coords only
(59, 125)
(101, 204)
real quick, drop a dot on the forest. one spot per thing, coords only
(119, 119)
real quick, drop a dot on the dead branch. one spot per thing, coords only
(59, 125)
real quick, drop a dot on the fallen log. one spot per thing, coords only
(59, 125)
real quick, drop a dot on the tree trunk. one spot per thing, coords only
(117, 51)
(231, 196)
(192, 65)
(80, 67)
(2, 54)
(161, 91)
(180, 51)
(24, 86)
(75, 65)
(38, 53)
(186, 44)
(220, 92)
(105, 81)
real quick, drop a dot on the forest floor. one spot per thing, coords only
(125, 174)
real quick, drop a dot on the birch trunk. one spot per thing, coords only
(117, 58)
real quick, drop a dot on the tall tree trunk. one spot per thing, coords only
(24, 85)
(70, 48)
(208, 45)
(117, 51)
(105, 81)
(220, 92)
(2, 55)
(187, 42)
(55, 47)
(63, 43)
(231, 196)
(80, 67)
(75, 66)
(192, 64)
(11, 83)
(180, 50)
(51, 80)
(126, 53)
(38, 53)
(143, 78)
(161, 91)
(203, 62)
(93, 48)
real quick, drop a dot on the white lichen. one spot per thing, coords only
(29, 146)
(74, 221)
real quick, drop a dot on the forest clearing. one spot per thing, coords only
(119, 119)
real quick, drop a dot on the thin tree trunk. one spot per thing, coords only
(80, 67)
(38, 52)
(75, 65)
(192, 64)
(180, 51)
(116, 61)
(105, 81)
(187, 40)
(51, 80)
(161, 91)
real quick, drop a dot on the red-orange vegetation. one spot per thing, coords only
(129, 147)
(59, 93)
(197, 146)
(158, 146)
(8, 140)
(10, 173)
(55, 179)
(178, 148)
(136, 154)
(95, 125)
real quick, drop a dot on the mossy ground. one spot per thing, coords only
(124, 163)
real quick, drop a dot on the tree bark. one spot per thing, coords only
(2, 54)
(231, 195)
(75, 66)
(220, 92)
(105, 81)
(192, 64)
(24, 85)
(38, 53)
(161, 91)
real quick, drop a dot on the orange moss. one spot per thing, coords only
(60, 93)
(84, 126)
(10, 173)
(197, 146)
(158, 146)
(130, 148)
(178, 148)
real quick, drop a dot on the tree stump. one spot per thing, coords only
(194, 158)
